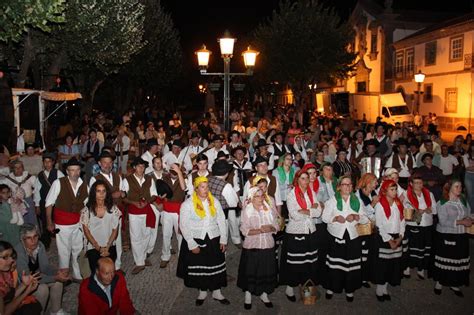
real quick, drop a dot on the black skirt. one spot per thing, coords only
(206, 270)
(344, 263)
(322, 239)
(257, 271)
(451, 259)
(367, 249)
(298, 261)
(420, 240)
(387, 263)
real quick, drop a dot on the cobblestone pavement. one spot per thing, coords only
(159, 291)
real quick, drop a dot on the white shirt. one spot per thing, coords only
(337, 229)
(100, 228)
(405, 171)
(447, 164)
(185, 155)
(108, 177)
(147, 156)
(38, 186)
(212, 155)
(56, 188)
(230, 196)
(141, 181)
(391, 225)
(125, 144)
(192, 226)
(301, 223)
(170, 159)
(426, 218)
(27, 186)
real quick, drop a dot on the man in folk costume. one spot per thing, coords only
(383, 142)
(278, 148)
(371, 160)
(202, 165)
(122, 147)
(21, 184)
(141, 194)
(175, 156)
(217, 141)
(170, 215)
(419, 230)
(223, 191)
(201, 261)
(162, 189)
(402, 161)
(114, 181)
(261, 167)
(242, 168)
(261, 150)
(90, 152)
(388, 243)
(344, 259)
(67, 195)
(235, 140)
(42, 186)
(192, 150)
(148, 155)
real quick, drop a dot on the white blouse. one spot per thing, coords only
(337, 229)
(101, 228)
(391, 225)
(301, 223)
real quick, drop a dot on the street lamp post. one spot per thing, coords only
(419, 78)
(226, 44)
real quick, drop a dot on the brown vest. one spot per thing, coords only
(271, 186)
(396, 162)
(137, 192)
(115, 181)
(178, 194)
(67, 201)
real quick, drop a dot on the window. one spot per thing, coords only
(362, 86)
(373, 42)
(430, 53)
(385, 112)
(428, 93)
(399, 110)
(410, 61)
(456, 48)
(451, 101)
(399, 64)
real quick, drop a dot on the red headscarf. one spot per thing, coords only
(384, 201)
(305, 169)
(414, 199)
(299, 193)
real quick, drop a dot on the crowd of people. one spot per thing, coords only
(339, 202)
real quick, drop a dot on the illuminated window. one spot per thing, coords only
(451, 101)
(456, 48)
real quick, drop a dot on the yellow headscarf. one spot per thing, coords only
(255, 182)
(197, 203)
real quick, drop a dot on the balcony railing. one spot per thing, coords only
(404, 73)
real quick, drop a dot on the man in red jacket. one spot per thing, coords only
(105, 293)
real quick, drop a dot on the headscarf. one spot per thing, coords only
(305, 168)
(414, 199)
(255, 182)
(384, 201)
(197, 202)
(300, 194)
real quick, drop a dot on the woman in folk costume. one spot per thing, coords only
(368, 199)
(258, 267)
(388, 244)
(419, 231)
(299, 256)
(342, 213)
(285, 173)
(451, 246)
(201, 261)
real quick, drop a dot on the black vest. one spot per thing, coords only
(278, 152)
(46, 184)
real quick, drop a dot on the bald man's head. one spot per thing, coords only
(105, 270)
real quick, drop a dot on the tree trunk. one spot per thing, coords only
(54, 70)
(26, 61)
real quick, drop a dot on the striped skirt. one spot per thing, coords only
(420, 240)
(387, 264)
(451, 259)
(206, 270)
(257, 271)
(344, 263)
(299, 257)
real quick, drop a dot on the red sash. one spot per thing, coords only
(62, 217)
(147, 210)
(171, 206)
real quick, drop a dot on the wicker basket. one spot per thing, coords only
(470, 230)
(365, 229)
(308, 293)
(408, 214)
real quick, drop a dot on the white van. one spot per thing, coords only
(393, 109)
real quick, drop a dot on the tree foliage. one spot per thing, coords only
(303, 42)
(16, 16)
